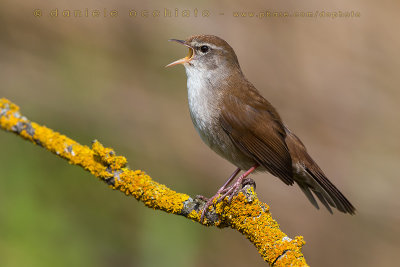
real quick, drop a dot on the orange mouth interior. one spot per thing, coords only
(183, 60)
(190, 55)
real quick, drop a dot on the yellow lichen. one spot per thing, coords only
(245, 213)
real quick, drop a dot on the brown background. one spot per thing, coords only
(334, 81)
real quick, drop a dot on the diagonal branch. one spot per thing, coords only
(245, 213)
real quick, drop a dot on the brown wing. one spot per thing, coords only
(256, 129)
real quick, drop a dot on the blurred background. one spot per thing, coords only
(335, 83)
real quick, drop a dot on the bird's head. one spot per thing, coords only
(207, 52)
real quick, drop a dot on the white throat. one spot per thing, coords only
(203, 98)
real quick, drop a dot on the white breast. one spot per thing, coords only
(202, 103)
(204, 97)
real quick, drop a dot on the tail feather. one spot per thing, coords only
(339, 200)
(324, 201)
(311, 178)
(307, 192)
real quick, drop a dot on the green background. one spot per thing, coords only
(335, 83)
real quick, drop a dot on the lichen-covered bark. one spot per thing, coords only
(245, 213)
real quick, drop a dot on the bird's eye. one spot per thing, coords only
(204, 48)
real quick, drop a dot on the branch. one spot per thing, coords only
(245, 213)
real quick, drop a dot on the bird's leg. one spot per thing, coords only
(210, 200)
(232, 190)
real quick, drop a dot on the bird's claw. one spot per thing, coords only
(202, 198)
(208, 204)
(235, 188)
(229, 192)
(249, 181)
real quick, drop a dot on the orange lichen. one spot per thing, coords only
(245, 213)
(253, 219)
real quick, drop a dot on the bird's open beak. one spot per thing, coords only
(185, 59)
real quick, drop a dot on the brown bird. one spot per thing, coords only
(240, 125)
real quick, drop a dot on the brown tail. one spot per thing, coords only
(311, 178)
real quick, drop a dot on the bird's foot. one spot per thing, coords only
(228, 191)
(231, 191)
(249, 181)
(209, 203)
(203, 198)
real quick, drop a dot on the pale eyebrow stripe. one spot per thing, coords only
(210, 45)
(215, 47)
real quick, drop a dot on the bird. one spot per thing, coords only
(239, 124)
